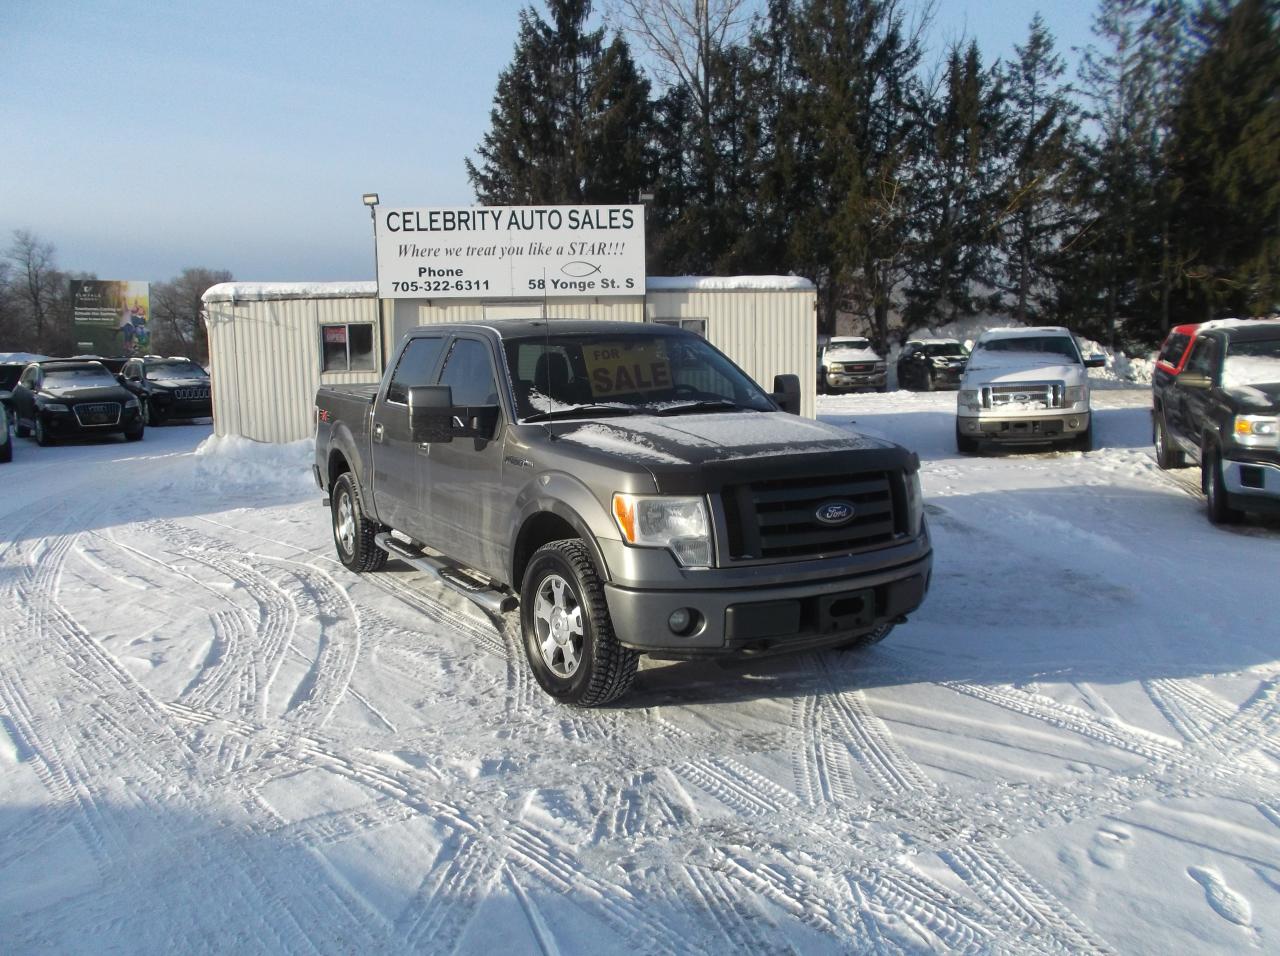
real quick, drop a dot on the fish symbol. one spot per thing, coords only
(579, 269)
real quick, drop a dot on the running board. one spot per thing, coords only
(488, 598)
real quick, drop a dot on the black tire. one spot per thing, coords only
(1167, 454)
(1084, 441)
(964, 444)
(593, 667)
(149, 414)
(1220, 512)
(22, 431)
(43, 438)
(882, 388)
(136, 434)
(929, 384)
(353, 542)
(6, 452)
(866, 640)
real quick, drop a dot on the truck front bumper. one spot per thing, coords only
(1051, 426)
(1252, 485)
(758, 620)
(856, 379)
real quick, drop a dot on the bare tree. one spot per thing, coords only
(177, 312)
(35, 282)
(684, 36)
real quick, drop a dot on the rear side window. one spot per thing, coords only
(1174, 349)
(417, 363)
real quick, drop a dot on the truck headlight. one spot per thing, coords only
(968, 397)
(1256, 430)
(660, 521)
(131, 403)
(915, 503)
(53, 407)
(1075, 394)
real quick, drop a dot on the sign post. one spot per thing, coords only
(510, 252)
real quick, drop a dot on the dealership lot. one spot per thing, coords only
(213, 736)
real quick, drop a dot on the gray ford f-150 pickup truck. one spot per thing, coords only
(626, 486)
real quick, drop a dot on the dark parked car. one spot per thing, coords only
(169, 388)
(65, 399)
(1222, 410)
(9, 375)
(6, 441)
(931, 363)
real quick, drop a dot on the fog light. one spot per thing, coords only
(1073, 423)
(680, 620)
(971, 425)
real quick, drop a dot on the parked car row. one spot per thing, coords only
(84, 397)
(849, 363)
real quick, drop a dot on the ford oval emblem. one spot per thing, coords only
(1022, 397)
(834, 512)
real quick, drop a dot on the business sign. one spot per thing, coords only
(524, 252)
(111, 316)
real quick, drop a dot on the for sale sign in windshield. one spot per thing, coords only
(523, 252)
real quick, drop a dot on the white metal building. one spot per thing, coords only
(272, 344)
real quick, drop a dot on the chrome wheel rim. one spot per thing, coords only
(345, 524)
(557, 622)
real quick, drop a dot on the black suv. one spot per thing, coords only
(1223, 411)
(929, 363)
(172, 387)
(64, 399)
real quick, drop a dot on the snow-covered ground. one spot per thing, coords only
(214, 738)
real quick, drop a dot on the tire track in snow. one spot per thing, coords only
(446, 901)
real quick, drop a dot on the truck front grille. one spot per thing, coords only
(196, 393)
(1033, 394)
(778, 519)
(103, 413)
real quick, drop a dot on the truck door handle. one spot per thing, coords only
(377, 431)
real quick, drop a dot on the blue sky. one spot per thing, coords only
(141, 138)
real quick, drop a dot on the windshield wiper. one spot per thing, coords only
(579, 410)
(717, 405)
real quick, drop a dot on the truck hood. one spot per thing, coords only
(988, 371)
(695, 440)
(92, 393)
(1255, 399)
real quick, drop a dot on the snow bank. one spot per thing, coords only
(726, 283)
(21, 357)
(232, 464)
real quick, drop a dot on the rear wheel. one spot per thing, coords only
(1167, 455)
(353, 533)
(567, 633)
(1220, 511)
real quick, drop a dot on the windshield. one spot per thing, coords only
(849, 344)
(175, 370)
(1252, 363)
(625, 374)
(944, 349)
(86, 376)
(1057, 346)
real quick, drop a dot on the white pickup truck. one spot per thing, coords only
(1026, 386)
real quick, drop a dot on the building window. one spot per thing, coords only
(689, 325)
(347, 348)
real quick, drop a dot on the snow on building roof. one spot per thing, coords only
(264, 291)
(726, 283)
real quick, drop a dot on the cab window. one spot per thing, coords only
(416, 365)
(469, 372)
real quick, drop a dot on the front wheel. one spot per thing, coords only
(22, 431)
(1220, 512)
(567, 634)
(353, 533)
(150, 414)
(964, 444)
(135, 435)
(866, 640)
(929, 383)
(1084, 441)
(43, 438)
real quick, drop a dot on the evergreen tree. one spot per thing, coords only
(957, 193)
(1039, 209)
(1225, 161)
(571, 120)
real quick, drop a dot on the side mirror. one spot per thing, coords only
(1194, 380)
(786, 392)
(431, 414)
(1095, 361)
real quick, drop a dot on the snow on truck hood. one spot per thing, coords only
(696, 439)
(851, 355)
(1012, 368)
